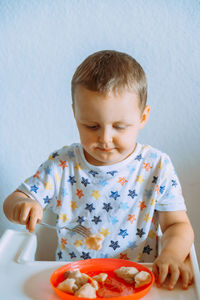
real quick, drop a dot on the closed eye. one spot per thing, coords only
(93, 127)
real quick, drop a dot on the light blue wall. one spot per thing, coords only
(41, 44)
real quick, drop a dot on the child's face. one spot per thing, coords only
(108, 124)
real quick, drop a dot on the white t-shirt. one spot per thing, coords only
(120, 201)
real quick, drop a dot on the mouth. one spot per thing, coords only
(105, 149)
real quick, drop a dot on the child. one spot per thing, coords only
(110, 183)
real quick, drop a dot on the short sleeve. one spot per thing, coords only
(42, 185)
(169, 190)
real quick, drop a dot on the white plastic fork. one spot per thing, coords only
(80, 229)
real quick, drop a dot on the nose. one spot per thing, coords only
(105, 136)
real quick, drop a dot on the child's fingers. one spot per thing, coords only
(155, 271)
(163, 272)
(185, 279)
(175, 273)
(24, 214)
(33, 219)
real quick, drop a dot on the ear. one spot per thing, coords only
(145, 116)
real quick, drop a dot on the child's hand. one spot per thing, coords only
(167, 264)
(27, 212)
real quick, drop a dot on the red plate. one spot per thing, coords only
(96, 266)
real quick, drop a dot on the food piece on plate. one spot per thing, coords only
(68, 285)
(86, 291)
(94, 241)
(80, 278)
(142, 278)
(127, 273)
(100, 277)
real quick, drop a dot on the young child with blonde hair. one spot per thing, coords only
(109, 182)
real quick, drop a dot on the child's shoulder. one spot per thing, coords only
(152, 153)
(67, 152)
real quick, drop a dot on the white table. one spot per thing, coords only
(23, 278)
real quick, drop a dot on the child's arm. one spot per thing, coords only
(176, 241)
(21, 209)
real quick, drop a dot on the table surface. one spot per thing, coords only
(23, 279)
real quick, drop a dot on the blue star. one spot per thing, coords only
(114, 245)
(155, 178)
(48, 170)
(123, 233)
(113, 220)
(148, 193)
(59, 255)
(107, 206)
(147, 249)
(140, 232)
(132, 194)
(174, 183)
(96, 220)
(124, 205)
(162, 188)
(131, 168)
(85, 255)
(34, 188)
(80, 220)
(70, 154)
(114, 195)
(85, 181)
(170, 196)
(153, 155)
(138, 157)
(72, 254)
(71, 180)
(103, 255)
(64, 192)
(103, 182)
(166, 161)
(132, 245)
(46, 199)
(112, 173)
(90, 207)
(93, 173)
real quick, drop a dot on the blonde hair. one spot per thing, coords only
(110, 70)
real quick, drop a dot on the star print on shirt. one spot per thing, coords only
(85, 255)
(132, 194)
(71, 180)
(90, 207)
(155, 179)
(113, 220)
(70, 154)
(80, 220)
(140, 232)
(112, 173)
(85, 181)
(162, 188)
(36, 174)
(48, 170)
(174, 183)
(124, 205)
(114, 245)
(93, 173)
(114, 195)
(103, 182)
(59, 255)
(63, 164)
(107, 206)
(123, 233)
(46, 199)
(72, 254)
(54, 154)
(147, 249)
(96, 220)
(34, 188)
(138, 157)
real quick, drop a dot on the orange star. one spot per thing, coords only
(59, 203)
(37, 174)
(157, 189)
(63, 241)
(124, 256)
(122, 180)
(147, 166)
(131, 218)
(79, 193)
(142, 205)
(63, 164)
